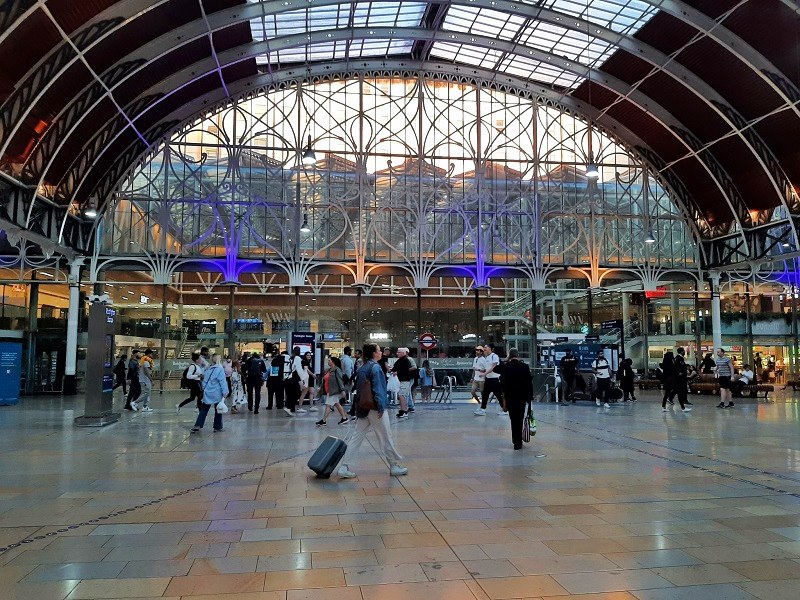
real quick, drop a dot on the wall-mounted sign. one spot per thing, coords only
(379, 336)
(427, 341)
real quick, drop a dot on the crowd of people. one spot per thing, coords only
(294, 387)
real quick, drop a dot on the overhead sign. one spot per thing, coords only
(427, 341)
(613, 324)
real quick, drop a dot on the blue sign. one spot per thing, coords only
(10, 372)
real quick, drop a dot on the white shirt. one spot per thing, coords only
(478, 368)
(746, 377)
(347, 365)
(297, 367)
(195, 372)
(602, 367)
(492, 359)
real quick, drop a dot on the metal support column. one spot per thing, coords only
(359, 343)
(534, 332)
(698, 335)
(645, 335)
(477, 317)
(716, 311)
(162, 353)
(231, 324)
(296, 309)
(747, 355)
(33, 307)
(419, 326)
(70, 384)
(590, 310)
(794, 330)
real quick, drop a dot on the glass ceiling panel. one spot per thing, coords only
(625, 16)
(341, 16)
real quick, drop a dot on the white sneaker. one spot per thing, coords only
(501, 413)
(345, 473)
(313, 409)
(147, 409)
(687, 409)
(597, 402)
(606, 405)
(134, 406)
(178, 408)
(288, 411)
(397, 470)
(665, 409)
(479, 412)
(300, 411)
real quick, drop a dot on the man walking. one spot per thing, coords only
(602, 373)
(478, 373)
(348, 368)
(133, 377)
(275, 380)
(568, 367)
(491, 384)
(146, 382)
(255, 381)
(724, 375)
(518, 386)
(681, 378)
(404, 369)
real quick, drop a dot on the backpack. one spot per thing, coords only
(256, 369)
(185, 378)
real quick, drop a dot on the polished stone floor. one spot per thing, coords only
(627, 503)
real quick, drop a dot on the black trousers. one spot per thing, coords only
(122, 382)
(134, 392)
(603, 388)
(275, 392)
(195, 393)
(491, 385)
(254, 393)
(627, 390)
(291, 392)
(516, 413)
(677, 388)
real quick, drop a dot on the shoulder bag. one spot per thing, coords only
(366, 399)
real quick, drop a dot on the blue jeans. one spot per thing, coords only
(201, 418)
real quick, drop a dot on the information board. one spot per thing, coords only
(10, 372)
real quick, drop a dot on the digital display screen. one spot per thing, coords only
(108, 352)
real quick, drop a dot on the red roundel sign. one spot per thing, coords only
(427, 341)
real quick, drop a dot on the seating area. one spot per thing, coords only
(708, 384)
(649, 384)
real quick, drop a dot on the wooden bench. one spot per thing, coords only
(793, 383)
(753, 390)
(649, 384)
(708, 384)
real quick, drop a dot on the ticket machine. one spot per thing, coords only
(99, 375)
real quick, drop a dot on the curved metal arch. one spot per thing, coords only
(198, 29)
(264, 83)
(246, 52)
(509, 84)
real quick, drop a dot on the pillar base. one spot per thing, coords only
(70, 385)
(97, 421)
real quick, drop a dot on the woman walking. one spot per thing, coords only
(371, 377)
(518, 389)
(427, 381)
(669, 378)
(333, 388)
(215, 387)
(238, 394)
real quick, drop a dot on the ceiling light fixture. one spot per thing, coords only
(309, 158)
(304, 227)
(90, 212)
(649, 239)
(592, 171)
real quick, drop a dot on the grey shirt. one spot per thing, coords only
(724, 367)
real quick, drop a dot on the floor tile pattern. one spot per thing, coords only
(627, 503)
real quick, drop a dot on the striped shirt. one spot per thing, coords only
(724, 367)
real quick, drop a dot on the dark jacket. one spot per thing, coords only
(516, 381)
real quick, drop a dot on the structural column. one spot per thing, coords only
(645, 336)
(747, 355)
(794, 331)
(33, 307)
(716, 311)
(358, 341)
(162, 352)
(675, 309)
(477, 316)
(231, 324)
(296, 308)
(590, 310)
(70, 384)
(698, 335)
(419, 326)
(534, 331)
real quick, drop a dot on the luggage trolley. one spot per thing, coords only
(444, 391)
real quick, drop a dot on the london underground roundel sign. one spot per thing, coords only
(427, 341)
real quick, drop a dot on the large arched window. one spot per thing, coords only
(418, 174)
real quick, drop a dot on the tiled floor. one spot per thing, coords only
(622, 504)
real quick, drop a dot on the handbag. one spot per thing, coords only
(393, 385)
(365, 398)
(526, 426)
(222, 408)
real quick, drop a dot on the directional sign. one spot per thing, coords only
(427, 341)
(614, 324)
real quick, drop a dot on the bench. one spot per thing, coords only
(793, 383)
(649, 384)
(708, 384)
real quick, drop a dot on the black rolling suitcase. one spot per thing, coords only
(327, 456)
